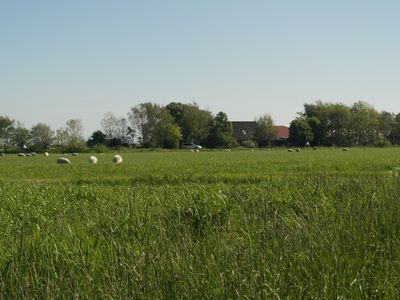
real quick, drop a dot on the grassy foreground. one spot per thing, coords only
(241, 224)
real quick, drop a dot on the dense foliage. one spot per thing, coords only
(338, 124)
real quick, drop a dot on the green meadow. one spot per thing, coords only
(209, 225)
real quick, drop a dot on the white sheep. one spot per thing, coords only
(197, 150)
(75, 154)
(298, 150)
(117, 159)
(63, 160)
(21, 154)
(93, 159)
(33, 154)
(290, 150)
(345, 149)
(46, 154)
(2, 154)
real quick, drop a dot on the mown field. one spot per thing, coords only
(208, 225)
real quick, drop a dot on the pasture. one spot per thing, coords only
(208, 225)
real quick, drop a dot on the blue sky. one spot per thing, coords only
(81, 59)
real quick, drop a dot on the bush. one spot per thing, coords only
(248, 144)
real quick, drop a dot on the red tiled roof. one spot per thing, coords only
(282, 132)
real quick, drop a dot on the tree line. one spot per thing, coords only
(359, 124)
(151, 125)
(147, 124)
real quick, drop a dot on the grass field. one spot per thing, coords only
(240, 224)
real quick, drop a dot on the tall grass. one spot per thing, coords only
(207, 225)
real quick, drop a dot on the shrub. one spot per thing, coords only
(248, 144)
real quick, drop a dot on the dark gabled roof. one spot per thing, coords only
(244, 130)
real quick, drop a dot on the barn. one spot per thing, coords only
(244, 130)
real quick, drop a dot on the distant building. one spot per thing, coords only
(244, 130)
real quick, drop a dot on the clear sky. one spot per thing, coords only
(81, 59)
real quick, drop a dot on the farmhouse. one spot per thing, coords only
(244, 130)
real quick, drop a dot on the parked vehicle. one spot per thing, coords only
(190, 146)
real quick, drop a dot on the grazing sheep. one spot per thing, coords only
(46, 154)
(345, 149)
(197, 150)
(28, 154)
(117, 159)
(75, 154)
(290, 150)
(93, 159)
(33, 154)
(63, 160)
(191, 150)
(269, 149)
(2, 154)
(298, 150)
(21, 154)
(332, 148)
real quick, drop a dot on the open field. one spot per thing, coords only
(314, 224)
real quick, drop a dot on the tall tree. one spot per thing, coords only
(74, 130)
(144, 118)
(221, 132)
(168, 133)
(193, 121)
(265, 131)
(395, 131)
(20, 135)
(300, 132)
(365, 124)
(339, 118)
(6, 131)
(41, 136)
(117, 130)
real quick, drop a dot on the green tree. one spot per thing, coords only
(41, 136)
(395, 131)
(339, 123)
(97, 138)
(265, 131)
(220, 132)
(386, 123)
(154, 125)
(300, 132)
(20, 135)
(364, 124)
(320, 111)
(6, 132)
(144, 119)
(193, 121)
(74, 130)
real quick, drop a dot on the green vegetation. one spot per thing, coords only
(240, 224)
